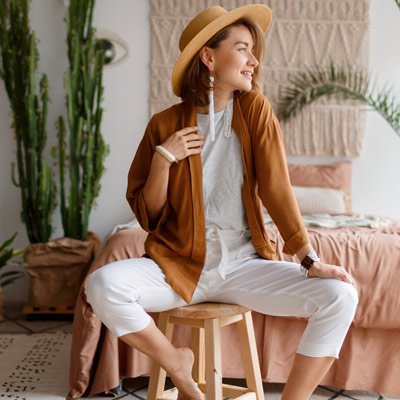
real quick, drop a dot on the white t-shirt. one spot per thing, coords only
(222, 177)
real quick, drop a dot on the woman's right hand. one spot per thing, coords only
(181, 144)
(184, 143)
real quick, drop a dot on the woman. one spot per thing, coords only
(195, 185)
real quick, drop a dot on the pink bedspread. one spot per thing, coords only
(372, 256)
(369, 358)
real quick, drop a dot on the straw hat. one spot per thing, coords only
(205, 25)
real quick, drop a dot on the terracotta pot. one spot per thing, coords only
(57, 270)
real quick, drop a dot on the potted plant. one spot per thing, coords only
(35, 179)
(56, 267)
(7, 278)
(82, 157)
(86, 150)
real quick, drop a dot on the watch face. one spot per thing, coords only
(307, 262)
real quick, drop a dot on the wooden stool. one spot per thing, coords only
(206, 320)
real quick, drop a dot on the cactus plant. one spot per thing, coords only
(86, 150)
(19, 58)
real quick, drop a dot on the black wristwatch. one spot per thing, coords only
(309, 260)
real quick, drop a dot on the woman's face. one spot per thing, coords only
(234, 61)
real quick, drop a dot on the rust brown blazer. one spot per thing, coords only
(177, 242)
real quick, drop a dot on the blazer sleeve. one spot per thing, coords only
(137, 177)
(274, 187)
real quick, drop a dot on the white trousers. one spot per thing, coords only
(121, 293)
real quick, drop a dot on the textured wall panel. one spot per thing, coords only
(302, 33)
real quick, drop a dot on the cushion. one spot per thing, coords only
(336, 176)
(319, 200)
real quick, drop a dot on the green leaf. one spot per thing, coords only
(8, 242)
(341, 82)
(8, 281)
(9, 273)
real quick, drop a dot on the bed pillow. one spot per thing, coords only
(336, 176)
(319, 200)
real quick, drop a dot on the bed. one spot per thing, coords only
(370, 356)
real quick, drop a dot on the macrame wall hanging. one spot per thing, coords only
(303, 33)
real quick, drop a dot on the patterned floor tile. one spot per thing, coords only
(344, 396)
(273, 391)
(9, 326)
(360, 395)
(140, 394)
(13, 310)
(132, 384)
(62, 327)
(123, 395)
(136, 388)
(40, 326)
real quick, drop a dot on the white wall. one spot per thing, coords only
(376, 183)
(376, 186)
(376, 180)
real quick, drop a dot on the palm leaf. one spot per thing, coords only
(307, 87)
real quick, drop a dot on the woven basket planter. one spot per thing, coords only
(57, 270)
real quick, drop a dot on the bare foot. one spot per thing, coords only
(182, 376)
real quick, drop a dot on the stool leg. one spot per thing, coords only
(249, 354)
(158, 374)
(213, 359)
(199, 355)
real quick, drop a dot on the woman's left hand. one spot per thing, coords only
(323, 270)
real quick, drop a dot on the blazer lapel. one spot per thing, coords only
(241, 130)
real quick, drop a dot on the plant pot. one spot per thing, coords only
(57, 270)
(1, 303)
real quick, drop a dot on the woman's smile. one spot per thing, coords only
(247, 74)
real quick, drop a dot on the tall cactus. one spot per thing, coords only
(85, 153)
(19, 58)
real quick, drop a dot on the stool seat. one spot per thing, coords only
(206, 319)
(207, 310)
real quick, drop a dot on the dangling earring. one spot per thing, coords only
(211, 110)
(227, 119)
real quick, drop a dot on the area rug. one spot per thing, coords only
(34, 366)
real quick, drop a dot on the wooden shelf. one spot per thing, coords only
(48, 310)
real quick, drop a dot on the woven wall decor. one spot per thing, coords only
(302, 33)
